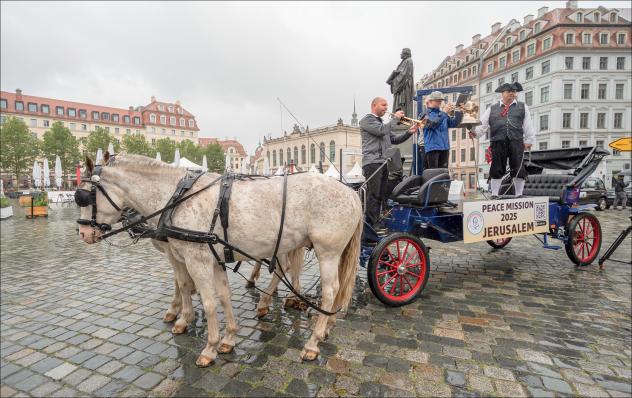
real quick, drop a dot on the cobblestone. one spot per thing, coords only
(513, 322)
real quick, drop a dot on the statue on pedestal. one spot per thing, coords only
(402, 84)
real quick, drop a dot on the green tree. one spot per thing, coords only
(60, 141)
(166, 148)
(99, 138)
(214, 157)
(18, 148)
(190, 151)
(136, 143)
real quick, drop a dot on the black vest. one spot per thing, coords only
(507, 126)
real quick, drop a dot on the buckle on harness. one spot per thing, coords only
(228, 255)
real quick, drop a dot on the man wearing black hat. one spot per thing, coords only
(511, 133)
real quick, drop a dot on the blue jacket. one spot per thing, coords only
(436, 137)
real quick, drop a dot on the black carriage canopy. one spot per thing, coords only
(582, 160)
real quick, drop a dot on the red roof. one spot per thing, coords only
(54, 103)
(153, 108)
(225, 144)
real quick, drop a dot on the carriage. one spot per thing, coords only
(398, 265)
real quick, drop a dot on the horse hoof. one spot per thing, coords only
(261, 312)
(301, 306)
(169, 317)
(290, 303)
(178, 329)
(250, 284)
(203, 361)
(225, 349)
(308, 355)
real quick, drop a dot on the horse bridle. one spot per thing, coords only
(85, 198)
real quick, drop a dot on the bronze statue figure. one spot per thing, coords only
(402, 84)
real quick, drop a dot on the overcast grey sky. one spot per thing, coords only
(228, 62)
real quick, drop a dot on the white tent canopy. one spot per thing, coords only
(58, 172)
(266, 167)
(99, 159)
(332, 172)
(355, 174)
(280, 171)
(37, 174)
(176, 159)
(187, 164)
(158, 158)
(313, 169)
(46, 174)
(111, 148)
(204, 163)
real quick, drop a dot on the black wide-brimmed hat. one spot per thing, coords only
(509, 87)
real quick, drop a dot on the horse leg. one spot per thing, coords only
(329, 286)
(223, 294)
(296, 259)
(202, 268)
(187, 286)
(176, 303)
(254, 275)
(263, 307)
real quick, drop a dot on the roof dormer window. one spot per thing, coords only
(597, 18)
(523, 34)
(579, 17)
(508, 42)
(613, 17)
(537, 27)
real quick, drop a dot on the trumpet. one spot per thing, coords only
(407, 121)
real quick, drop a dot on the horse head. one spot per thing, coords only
(100, 202)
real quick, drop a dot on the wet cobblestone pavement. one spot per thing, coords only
(81, 320)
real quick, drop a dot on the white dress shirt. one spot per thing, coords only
(527, 124)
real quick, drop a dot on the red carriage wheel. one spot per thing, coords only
(398, 269)
(499, 243)
(584, 239)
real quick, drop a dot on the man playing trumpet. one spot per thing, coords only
(436, 137)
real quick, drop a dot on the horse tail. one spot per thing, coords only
(348, 268)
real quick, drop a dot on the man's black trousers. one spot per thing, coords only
(437, 159)
(374, 190)
(503, 150)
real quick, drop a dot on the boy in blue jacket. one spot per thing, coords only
(436, 136)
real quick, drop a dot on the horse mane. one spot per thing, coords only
(123, 159)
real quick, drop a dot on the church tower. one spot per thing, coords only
(354, 115)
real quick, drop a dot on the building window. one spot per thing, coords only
(546, 67)
(82, 113)
(105, 116)
(618, 120)
(544, 94)
(84, 127)
(115, 117)
(312, 153)
(45, 123)
(72, 112)
(274, 158)
(182, 123)
(618, 92)
(620, 63)
(302, 154)
(585, 63)
(583, 143)
(33, 122)
(172, 120)
(601, 120)
(502, 61)
(523, 34)
(163, 119)
(599, 144)
(579, 17)
(566, 144)
(453, 156)
(3, 104)
(32, 107)
(544, 122)
(490, 67)
(462, 154)
(152, 118)
(529, 73)
(453, 135)
(568, 91)
(566, 120)
(322, 151)
(163, 131)
(603, 38)
(586, 38)
(463, 134)
(546, 43)
(501, 81)
(601, 91)
(19, 105)
(95, 115)
(472, 154)
(136, 120)
(59, 110)
(569, 38)
(537, 28)
(568, 62)
(161, 107)
(126, 119)
(585, 91)
(597, 17)
(515, 56)
(583, 120)
(514, 77)
(528, 98)
(116, 130)
(45, 109)
(603, 63)
(488, 87)
(191, 123)
(171, 110)
(620, 38)
(332, 151)
(531, 50)
(543, 146)
(107, 128)
(173, 132)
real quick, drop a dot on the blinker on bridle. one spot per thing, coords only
(85, 198)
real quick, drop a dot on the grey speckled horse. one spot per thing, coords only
(320, 213)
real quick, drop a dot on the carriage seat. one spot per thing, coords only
(551, 185)
(414, 190)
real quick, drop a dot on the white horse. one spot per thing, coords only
(320, 213)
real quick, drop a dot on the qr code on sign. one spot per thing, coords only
(540, 211)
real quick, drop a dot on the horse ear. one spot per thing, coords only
(106, 157)
(89, 164)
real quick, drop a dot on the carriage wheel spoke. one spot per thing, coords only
(394, 285)
(413, 265)
(390, 271)
(407, 281)
(415, 275)
(387, 282)
(386, 263)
